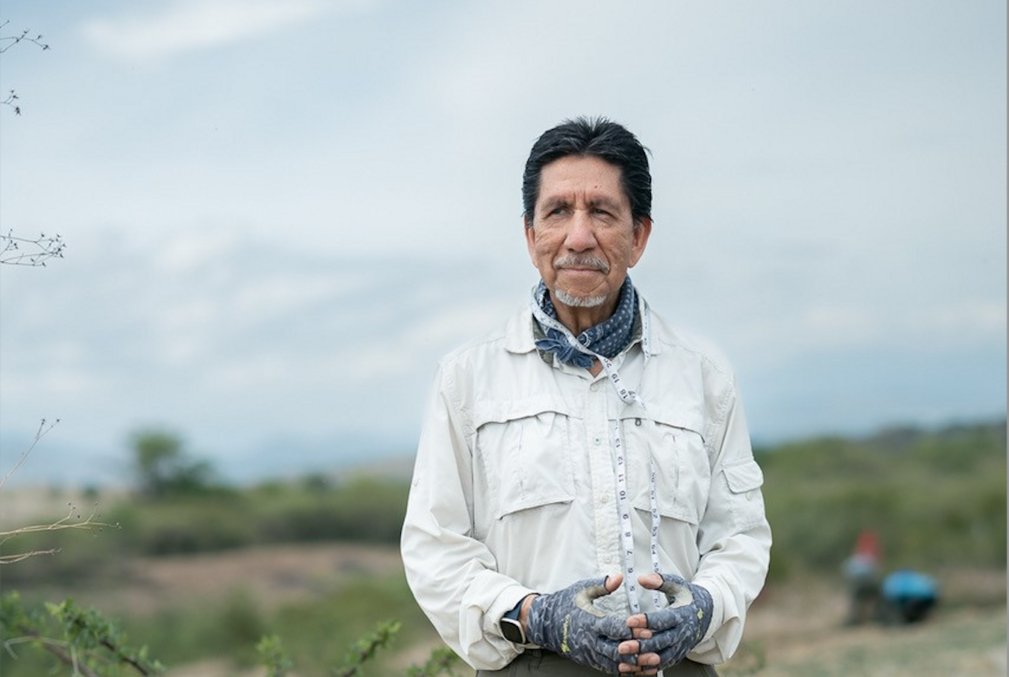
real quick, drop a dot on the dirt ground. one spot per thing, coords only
(793, 631)
(799, 631)
(274, 574)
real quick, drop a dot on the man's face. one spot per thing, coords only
(583, 238)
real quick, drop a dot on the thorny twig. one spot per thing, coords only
(62, 650)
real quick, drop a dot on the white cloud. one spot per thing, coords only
(188, 25)
(300, 223)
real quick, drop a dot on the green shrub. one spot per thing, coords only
(935, 499)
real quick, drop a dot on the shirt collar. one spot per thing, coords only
(522, 331)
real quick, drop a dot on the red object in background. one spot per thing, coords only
(868, 545)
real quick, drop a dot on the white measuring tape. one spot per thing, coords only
(620, 461)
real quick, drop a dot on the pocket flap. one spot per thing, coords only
(676, 417)
(501, 411)
(744, 477)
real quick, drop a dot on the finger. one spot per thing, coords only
(641, 633)
(672, 655)
(587, 591)
(628, 669)
(612, 627)
(667, 618)
(629, 659)
(672, 584)
(647, 660)
(652, 581)
(661, 641)
(613, 582)
(637, 621)
(600, 652)
(629, 648)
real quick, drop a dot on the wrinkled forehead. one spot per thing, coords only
(577, 178)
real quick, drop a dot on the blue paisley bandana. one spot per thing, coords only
(607, 338)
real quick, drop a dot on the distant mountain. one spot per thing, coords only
(58, 464)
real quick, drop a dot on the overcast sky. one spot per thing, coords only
(278, 214)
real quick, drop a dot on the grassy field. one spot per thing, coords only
(306, 593)
(201, 578)
(798, 630)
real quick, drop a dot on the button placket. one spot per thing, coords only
(601, 470)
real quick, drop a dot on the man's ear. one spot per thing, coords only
(642, 230)
(527, 226)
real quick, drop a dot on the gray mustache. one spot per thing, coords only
(581, 261)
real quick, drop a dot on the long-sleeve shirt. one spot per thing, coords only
(514, 488)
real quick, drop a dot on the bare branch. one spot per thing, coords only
(23, 251)
(72, 520)
(9, 101)
(8, 41)
(20, 557)
(39, 434)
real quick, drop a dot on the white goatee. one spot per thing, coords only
(579, 301)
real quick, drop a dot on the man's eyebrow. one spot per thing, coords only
(604, 202)
(555, 201)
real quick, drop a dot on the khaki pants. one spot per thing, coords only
(539, 663)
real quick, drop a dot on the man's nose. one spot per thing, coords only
(581, 234)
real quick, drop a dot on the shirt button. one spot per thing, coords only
(607, 559)
(604, 498)
(597, 441)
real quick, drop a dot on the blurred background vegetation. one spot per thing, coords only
(937, 500)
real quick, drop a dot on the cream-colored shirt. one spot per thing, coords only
(514, 488)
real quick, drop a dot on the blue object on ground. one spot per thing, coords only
(907, 584)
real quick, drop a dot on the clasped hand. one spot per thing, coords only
(567, 623)
(664, 637)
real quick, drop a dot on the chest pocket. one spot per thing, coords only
(682, 468)
(523, 457)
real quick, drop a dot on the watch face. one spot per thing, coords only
(512, 631)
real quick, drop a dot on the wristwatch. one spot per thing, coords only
(511, 627)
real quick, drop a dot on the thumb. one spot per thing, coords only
(591, 590)
(613, 582)
(677, 589)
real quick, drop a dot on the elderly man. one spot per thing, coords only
(585, 496)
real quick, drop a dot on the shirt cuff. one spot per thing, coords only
(717, 608)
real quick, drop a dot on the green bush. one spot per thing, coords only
(316, 632)
(935, 499)
(183, 525)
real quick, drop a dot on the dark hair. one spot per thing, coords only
(597, 137)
